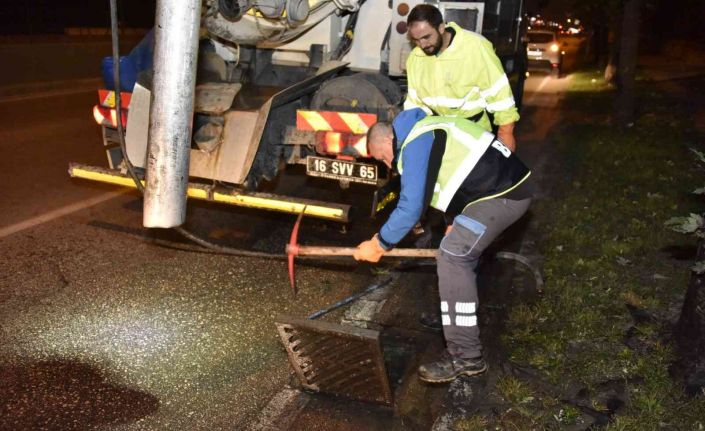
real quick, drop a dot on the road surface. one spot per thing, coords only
(106, 325)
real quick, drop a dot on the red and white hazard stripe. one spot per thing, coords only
(332, 121)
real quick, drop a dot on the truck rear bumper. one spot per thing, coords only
(265, 201)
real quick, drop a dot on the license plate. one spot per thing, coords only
(341, 170)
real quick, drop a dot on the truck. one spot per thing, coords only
(291, 82)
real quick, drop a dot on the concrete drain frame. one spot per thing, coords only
(340, 360)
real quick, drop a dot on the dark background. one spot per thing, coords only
(681, 19)
(661, 18)
(34, 17)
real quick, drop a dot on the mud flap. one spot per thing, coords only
(243, 133)
(256, 147)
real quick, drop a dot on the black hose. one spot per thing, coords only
(348, 35)
(352, 298)
(131, 169)
(538, 278)
(228, 250)
(118, 98)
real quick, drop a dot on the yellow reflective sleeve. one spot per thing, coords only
(495, 88)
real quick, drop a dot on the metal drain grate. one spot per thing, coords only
(336, 359)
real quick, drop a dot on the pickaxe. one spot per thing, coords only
(293, 249)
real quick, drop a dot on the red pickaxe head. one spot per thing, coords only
(292, 249)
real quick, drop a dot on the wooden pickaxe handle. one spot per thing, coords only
(310, 250)
(293, 249)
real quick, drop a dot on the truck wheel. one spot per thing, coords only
(361, 92)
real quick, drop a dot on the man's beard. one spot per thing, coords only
(433, 50)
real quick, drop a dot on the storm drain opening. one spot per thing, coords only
(336, 359)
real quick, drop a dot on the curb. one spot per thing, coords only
(282, 410)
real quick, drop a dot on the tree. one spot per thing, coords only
(628, 49)
(620, 20)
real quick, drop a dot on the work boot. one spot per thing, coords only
(448, 368)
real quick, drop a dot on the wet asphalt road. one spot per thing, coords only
(106, 325)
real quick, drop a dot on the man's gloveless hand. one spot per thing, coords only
(369, 251)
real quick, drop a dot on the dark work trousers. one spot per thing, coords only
(473, 231)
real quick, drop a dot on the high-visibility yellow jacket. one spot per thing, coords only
(462, 81)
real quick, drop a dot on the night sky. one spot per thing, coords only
(686, 17)
(661, 19)
(52, 16)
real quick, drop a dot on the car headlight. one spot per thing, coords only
(554, 47)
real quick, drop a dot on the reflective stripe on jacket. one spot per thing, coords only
(474, 165)
(462, 81)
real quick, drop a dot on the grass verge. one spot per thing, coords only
(606, 252)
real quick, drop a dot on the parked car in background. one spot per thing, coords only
(544, 51)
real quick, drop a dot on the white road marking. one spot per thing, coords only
(59, 212)
(544, 82)
(534, 93)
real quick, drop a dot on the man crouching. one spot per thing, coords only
(457, 167)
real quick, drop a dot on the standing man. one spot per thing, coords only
(455, 73)
(457, 167)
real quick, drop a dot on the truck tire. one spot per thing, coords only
(361, 92)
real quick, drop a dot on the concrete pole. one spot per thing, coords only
(171, 115)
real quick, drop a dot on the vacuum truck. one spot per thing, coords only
(289, 82)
